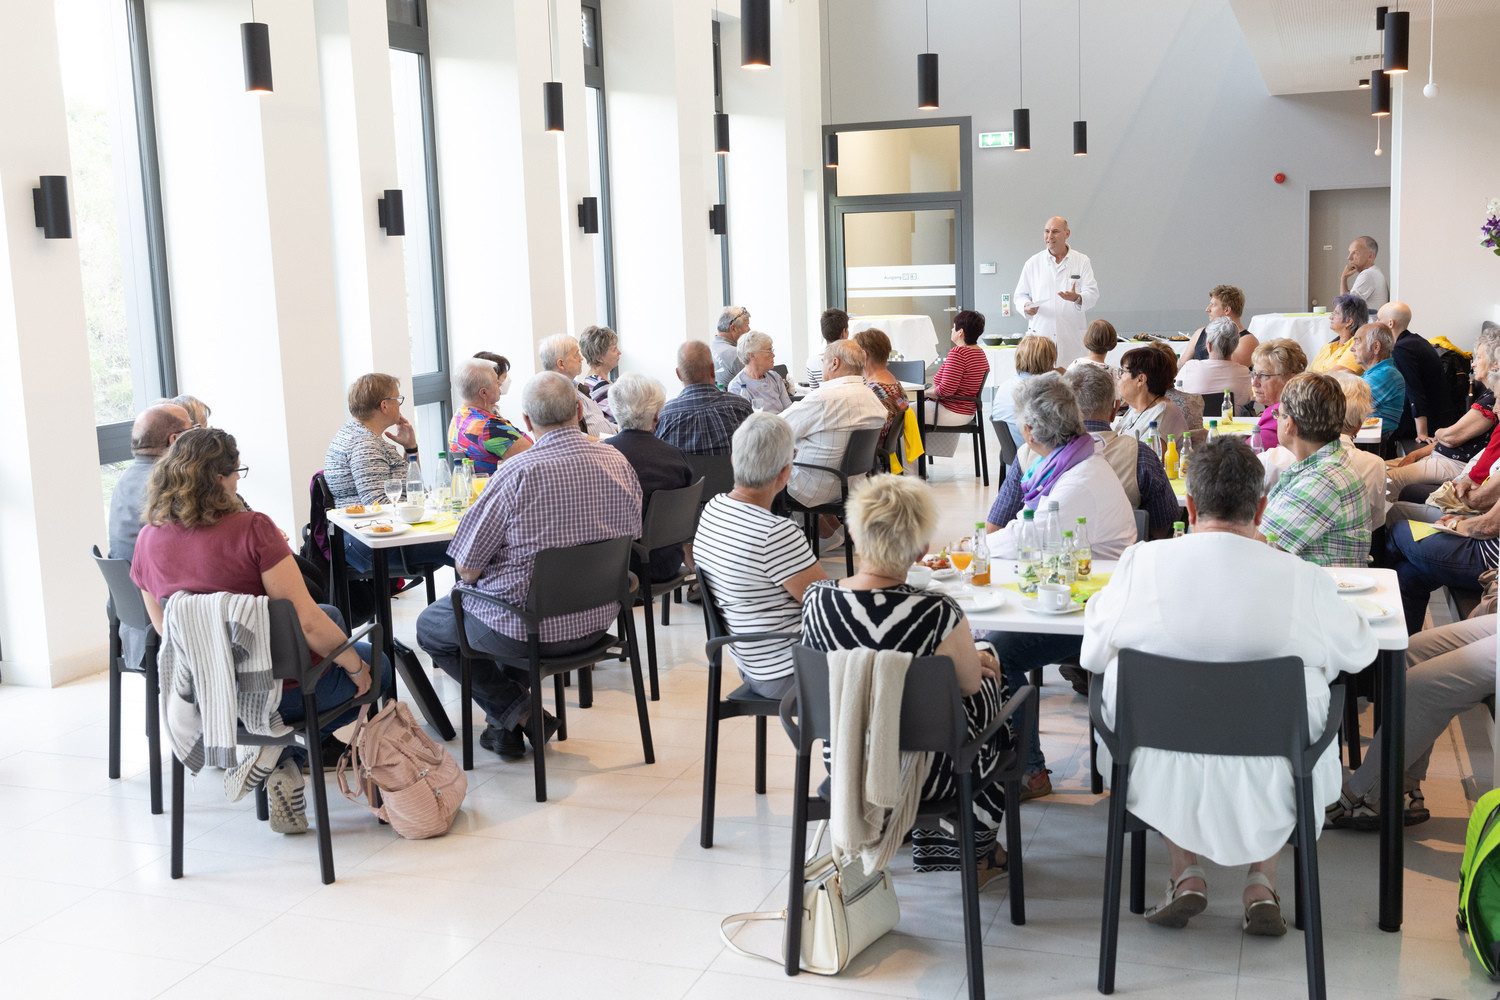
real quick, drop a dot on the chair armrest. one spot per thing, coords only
(354, 637)
(521, 613)
(970, 749)
(1096, 716)
(1336, 696)
(823, 468)
(713, 647)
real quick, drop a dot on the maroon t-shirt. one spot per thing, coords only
(226, 557)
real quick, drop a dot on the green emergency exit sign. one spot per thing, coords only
(989, 139)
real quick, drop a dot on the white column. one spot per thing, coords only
(51, 504)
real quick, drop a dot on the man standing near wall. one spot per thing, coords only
(1056, 291)
(1361, 277)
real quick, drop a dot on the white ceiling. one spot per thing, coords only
(1316, 46)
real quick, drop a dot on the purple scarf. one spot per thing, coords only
(1044, 474)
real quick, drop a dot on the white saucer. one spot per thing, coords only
(1030, 604)
(1369, 610)
(944, 574)
(980, 600)
(1353, 583)
(397, 527)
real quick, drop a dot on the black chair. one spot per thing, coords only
(716, 471)
(742, 701)
(670, 518)
(126, 607)
(974, 427)
(563, 581)
(1142, 525)
(932, 719)
(1008, 446)
(1239, 709)
(291, 661)
(914, 372)
(859, 459)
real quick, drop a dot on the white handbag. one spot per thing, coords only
(844, 912)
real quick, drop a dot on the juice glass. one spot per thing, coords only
(480, 478)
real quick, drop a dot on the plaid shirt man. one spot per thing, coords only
(564, 490)
(701, 420)
(1318, 509)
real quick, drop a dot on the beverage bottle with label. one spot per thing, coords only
(1052, 544)
(459, 495)
(1171, 459)
(413, 480)
(1152, 440)
(442, 484)
(1178, 528)
(1083, 553)
(1228, 410)
(1184, 455)
(980, 567)
(1066, 564)
(1213, 428)
(1028, 556)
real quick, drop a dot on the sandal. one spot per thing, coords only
(1351, 813)
(1263, 917)
(1179, 905)
(992, 868)
(1416, 808)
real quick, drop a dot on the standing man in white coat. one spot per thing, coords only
(1056, 291)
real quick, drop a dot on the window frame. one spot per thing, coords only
(723, 175)
(593, 80)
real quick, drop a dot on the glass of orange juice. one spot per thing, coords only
(962, 554)
(480, 478)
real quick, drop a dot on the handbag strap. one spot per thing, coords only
(745, 918)
(349, 759)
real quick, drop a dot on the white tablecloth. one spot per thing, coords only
(1310, 330)
(914, 336)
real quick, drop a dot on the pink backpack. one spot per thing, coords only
(419, 784)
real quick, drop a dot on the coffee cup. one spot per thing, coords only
(918, 575)
(411, 513)
(1320, 310)
(1053, 596)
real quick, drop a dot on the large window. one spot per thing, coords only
(596, 129)
(115, 191)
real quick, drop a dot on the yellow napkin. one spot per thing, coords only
(1236, 426)
(1179, 486)
(443, 522)
(1082, 590)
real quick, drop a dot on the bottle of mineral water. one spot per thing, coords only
(460, 492)
(413, 480)
(1052, 544)
(1067, 568)
(1152, 440)
(442, 484)
(1083, 553)
(1028, 556)
(1178, 528)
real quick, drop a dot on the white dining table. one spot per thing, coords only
(1310, 330)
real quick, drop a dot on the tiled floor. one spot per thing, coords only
(604, 892)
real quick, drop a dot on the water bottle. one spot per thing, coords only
(1228, 411)
(461, 486)
(1066, 561)
(1178, 528)
(1028, 558)
(1151, 441)
(1184, 455)
(442, 484)
(1213, 428)
(980, 567)
(413, 480)
(1083, 553)
(1052, 544)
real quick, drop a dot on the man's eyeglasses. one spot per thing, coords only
(399, 399)
(1262, 376)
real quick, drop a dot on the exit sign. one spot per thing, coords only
(989, 139)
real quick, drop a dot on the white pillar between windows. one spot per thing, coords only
(52, 623)
(583, 309)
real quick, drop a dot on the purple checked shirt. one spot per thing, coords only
(564, 490)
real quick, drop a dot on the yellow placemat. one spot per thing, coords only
(438, 524)
(1235, 426)
(1179, 486)
(1082, 590)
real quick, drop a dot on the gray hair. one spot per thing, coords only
(1046, 404)
(1359, 402)
(636, 400)
(1489, 341)
(473, 374)
(1379, 337)
(761, 448)
(729, 315)
(850, 355)
(594, 341)
(550, 399)
(1370, 244)
(1094, 389)
(554, 349)
(1226, 480)
(750, 343)
(1222, 336)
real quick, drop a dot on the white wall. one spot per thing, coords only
(1444, 151)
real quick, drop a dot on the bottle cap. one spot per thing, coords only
(1028, 515)
(1178, 525)
(1067, 534)
(1083, 520)
(979, 527)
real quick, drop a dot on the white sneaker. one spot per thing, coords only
(288, 803)
(832, 542)
(254, 767)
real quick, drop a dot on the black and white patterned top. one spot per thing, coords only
(900, 618)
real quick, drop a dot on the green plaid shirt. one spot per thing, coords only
(1318, 510)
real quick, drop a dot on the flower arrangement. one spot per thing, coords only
(1489, 232)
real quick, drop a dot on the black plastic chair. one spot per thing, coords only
(914, 372)
(126, 607)
(1243, 709)
(974, 427)
(742, 701)
(932, 719)
(291, 661)
(859, 460)
(1008, 446)
(716, 471)
(670, 518)
(563, 582)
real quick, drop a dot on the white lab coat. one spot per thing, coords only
(1042, 278)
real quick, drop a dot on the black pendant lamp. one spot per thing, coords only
(927, 70)
(831, 140)
(1380, 93)
(755, 34)
(255, 44)
(552, 94)
(1397, 41)
(1021, 117)
(721, 133)
(1080, 127)
(831, 150)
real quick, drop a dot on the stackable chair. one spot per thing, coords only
(670, 518)
(859, 459)
(127, 607)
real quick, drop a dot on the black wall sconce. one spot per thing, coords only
(721, 133)
(255, 40)
(588, 214)
(51, 204)
(718, 219)
(392, 212)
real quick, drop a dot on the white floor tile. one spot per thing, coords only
(72, 859)
(240, 984)
(658, 935)
(481, 860)
(29, 902)
(45, 969)
(155, 926)
(417, 903)
(566, 971)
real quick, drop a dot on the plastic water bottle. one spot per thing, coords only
(1228, 411)
(1083, 552)
(980, 567)
(1151, 440)
(1066, 561)
(442, 481)
(1052, 544)
(413, 480)
(1213, 428)
(1178, 528)
(1028, 556)
(461, 487)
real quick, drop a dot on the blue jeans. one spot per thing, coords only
(402, 561)
(1439, 560)
(1020, 653)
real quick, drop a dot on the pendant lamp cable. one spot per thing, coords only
(1431, 42)
(1020, 58)
(551, 56)
(927, 22)
(827, 54)
(1080, 60)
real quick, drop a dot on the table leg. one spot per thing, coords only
(381, 571)
(340, 569)
(921, 435)
(1392, 678)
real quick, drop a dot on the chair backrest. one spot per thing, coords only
(859, 454)
(130, 606)
(780, 370)
(1008, 444)
(716, 471)
(1248, 708)
(290, 658)
(908, 371)
(711, 613)
(1142, 525)
(671, 517)
(579, 577)
(932, 711)
(315, 541)
(1213, 404)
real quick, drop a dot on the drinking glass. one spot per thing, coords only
(393, 488)
(961, 553)
(480, 478)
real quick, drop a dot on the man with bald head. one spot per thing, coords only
(1056, 291)
(1361, 277)
(152, 433)
(700, 420)
(1429, 401)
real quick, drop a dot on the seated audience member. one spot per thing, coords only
(1218, 374)
(1034, 355)
(1347, 314)
(477, 431)
(565, 490)
(196, 408)
(962, 373)
(1319, 508)
(700, 420)
(1372, 346)
(1428, 393)
(637, 402)
(833, 325)
(1098, 340)
(1140, 472)
(1190, 405)
(1233, 810)
(199, 539)
(1448, 671)
(1453, 446)
(823, 420)
(891, 519)
(734, 323)
(155, 428)
(1367, 465)
(502, 368)
(559, 353)
(600, 347)
(887, 388)
(764, 388)
(1274, 363)
(759, 565)
(1145, 376)
(364, 455)
(1227, 302)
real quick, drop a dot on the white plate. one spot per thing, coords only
(397, 527)
(980, 600)
(944, 574)
(1030, 604)
(1353, 583)
(1369, 610)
